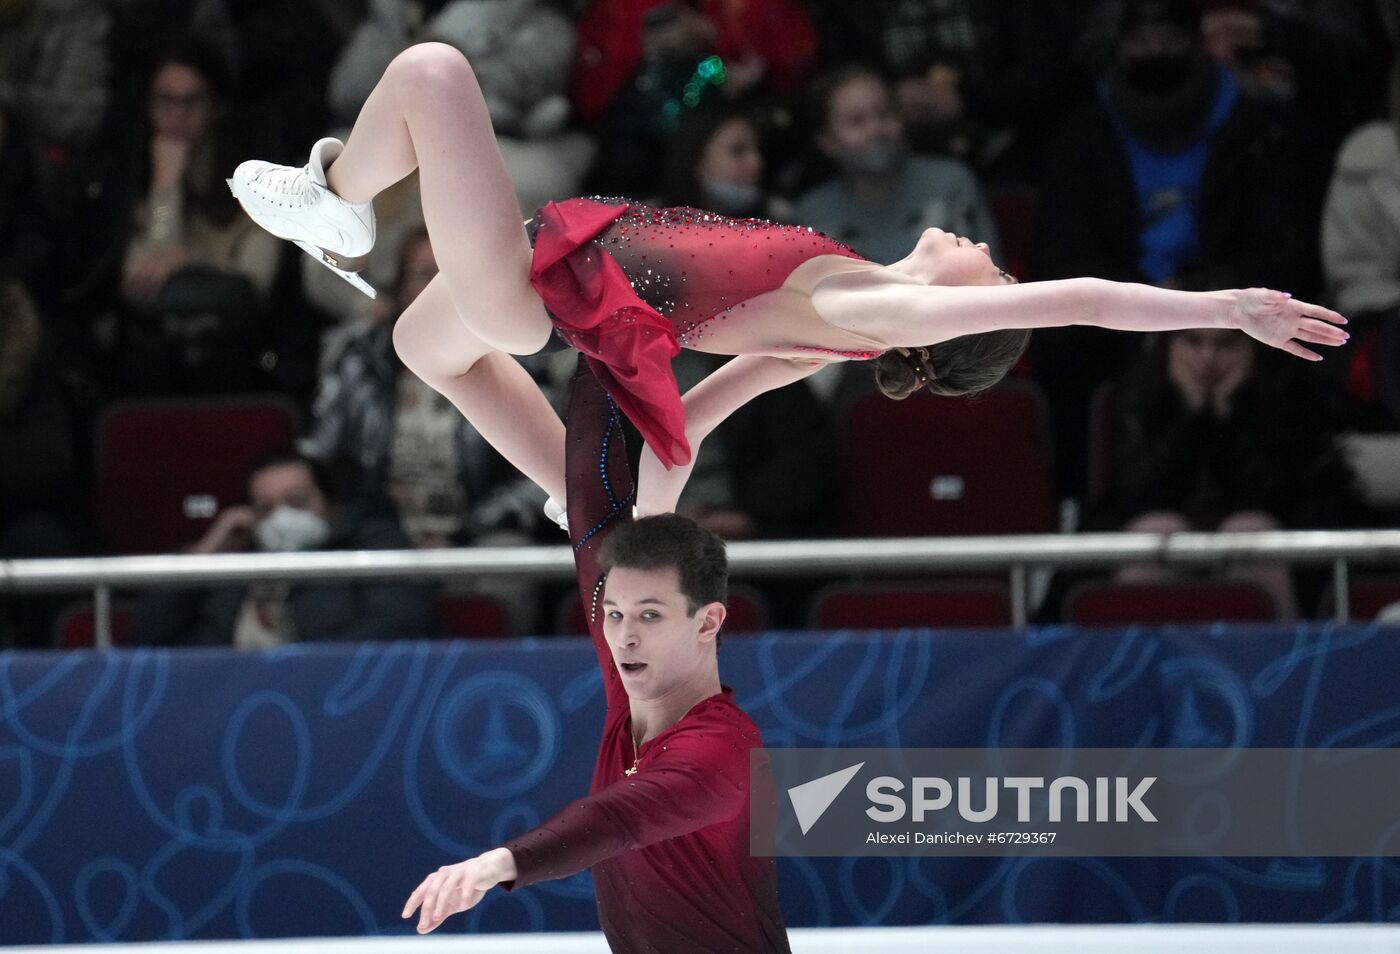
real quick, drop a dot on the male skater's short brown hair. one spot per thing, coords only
(670, 540)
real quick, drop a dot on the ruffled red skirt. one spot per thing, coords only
(627, 343)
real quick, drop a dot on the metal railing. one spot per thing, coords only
(1016, 555)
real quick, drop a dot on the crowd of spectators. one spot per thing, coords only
(1196, 144)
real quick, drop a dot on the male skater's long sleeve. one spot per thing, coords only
(693, 775)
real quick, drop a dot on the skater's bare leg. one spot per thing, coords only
(489, 387)
(428, 112)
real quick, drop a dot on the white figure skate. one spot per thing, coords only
(296, 204)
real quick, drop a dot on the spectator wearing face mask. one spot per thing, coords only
(1168, 175)
(715, 161)
(884, 197)
(291, 508)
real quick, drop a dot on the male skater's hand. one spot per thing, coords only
(455, 888)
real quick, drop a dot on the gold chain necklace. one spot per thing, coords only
(635, 757)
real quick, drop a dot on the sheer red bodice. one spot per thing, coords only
(628, 285)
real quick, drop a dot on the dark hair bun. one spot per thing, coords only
(963, 365)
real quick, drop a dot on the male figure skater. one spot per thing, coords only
(665, 826)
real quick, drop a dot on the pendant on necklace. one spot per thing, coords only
(632, 770)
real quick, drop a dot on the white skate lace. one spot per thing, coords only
(286, 181)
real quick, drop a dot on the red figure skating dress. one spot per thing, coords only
(629, 285)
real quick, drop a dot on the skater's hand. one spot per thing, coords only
(659, 489)
(1282, 322)
(456, 888)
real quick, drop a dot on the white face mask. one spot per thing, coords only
(731, 197)
(879, 158)
(288, 529)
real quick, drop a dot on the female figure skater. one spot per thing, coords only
(627, 285)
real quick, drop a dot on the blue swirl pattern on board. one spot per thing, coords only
(204, 793)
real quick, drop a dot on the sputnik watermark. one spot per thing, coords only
(886, 792)
(1100, 802)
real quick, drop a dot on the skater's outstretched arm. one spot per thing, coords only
(912, 314)
(706, 407)
(700, 778)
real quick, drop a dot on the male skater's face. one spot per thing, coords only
(655, 641)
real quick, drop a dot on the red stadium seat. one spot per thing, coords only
(76, 625)
(165, 468)
(1369, 595)
(1014, 209)
(896, 606)
(748, 612)
(473, 615)
(943, 466)
(1116, 604)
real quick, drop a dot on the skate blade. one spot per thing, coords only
(345, 267)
